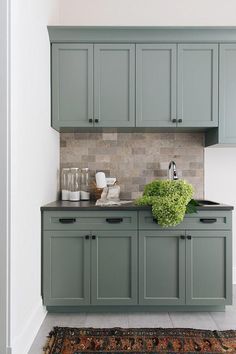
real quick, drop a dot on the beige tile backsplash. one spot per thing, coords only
(136, 158)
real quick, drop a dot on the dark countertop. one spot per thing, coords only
(90, 205)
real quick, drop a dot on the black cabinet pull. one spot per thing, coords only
(90, 120)
(182, 237)
(180, 120)
(174, 120)
(208, 221)
(114, 220)
(93, 237)
(87, 237)
(189, 237)
(67, 220)
(96, 120)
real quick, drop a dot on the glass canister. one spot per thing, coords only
(85, 194)
(65, 183)
(75, 184)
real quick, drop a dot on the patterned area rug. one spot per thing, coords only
(64, 340)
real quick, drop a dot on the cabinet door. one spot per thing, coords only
(155, 85)
(114, 85)
(208, 268)
(72, 85)
(197, 85)
(66, 268)
(114, 268)
(162, 268)
(227, 91)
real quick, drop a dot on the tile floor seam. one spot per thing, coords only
(171, 320)
(218, 327)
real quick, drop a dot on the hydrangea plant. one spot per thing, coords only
(170, 200)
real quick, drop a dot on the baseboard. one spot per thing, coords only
(234, 275)
(23, 342)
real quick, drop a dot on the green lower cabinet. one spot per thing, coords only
(66, 268)
(114, 268)
(162, 268)
(208, 268)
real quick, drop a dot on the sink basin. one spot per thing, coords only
(207, 202)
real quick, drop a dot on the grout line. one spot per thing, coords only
(171, 320)
(217, 326)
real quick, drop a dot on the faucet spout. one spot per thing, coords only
(172, 171)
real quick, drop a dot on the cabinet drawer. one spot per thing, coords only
(90, 220)
(202, 220)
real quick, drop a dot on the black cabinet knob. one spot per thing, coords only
(94, 237)
(96, 120)
(180, 120)
(87, 237)
(90, 120)
(189, 237)
(174, 120)
(182, 237)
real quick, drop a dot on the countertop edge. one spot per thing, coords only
(88, 206)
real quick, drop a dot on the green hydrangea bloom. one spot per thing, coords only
(169, 200)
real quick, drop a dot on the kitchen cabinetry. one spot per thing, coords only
(170, 94)
(72, 85)
(156, 85)
(114, 268)
(208, 267)
(162, 268)
(82, 264)
(93, 85)
(160, 78)
(226, 134)
(200, 247)
(116, 258)
(66, 268)
(197, 87)
(114, 85)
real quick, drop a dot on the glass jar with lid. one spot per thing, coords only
(85, 194)
(65, 183)
(75, 184)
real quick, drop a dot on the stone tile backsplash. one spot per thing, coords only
(135, 159)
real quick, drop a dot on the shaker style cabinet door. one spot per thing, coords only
(66, 268)
(208, 268)
(114, 268)
(161, 267)
(114, 85)
(156, 85)
(227, 90)
(197, 89)
(72, 85)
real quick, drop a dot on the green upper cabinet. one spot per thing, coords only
(114, 85)
(171, 92)
(226, 133)
(72, 85)
(114, 268)
(227, 127)
(208, 268)
(197, 88)
(156, 85)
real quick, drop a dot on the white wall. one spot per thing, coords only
(148, 12)
(220, 182)
(220, 164)
(34, 161)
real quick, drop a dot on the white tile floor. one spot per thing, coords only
(205, 320)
